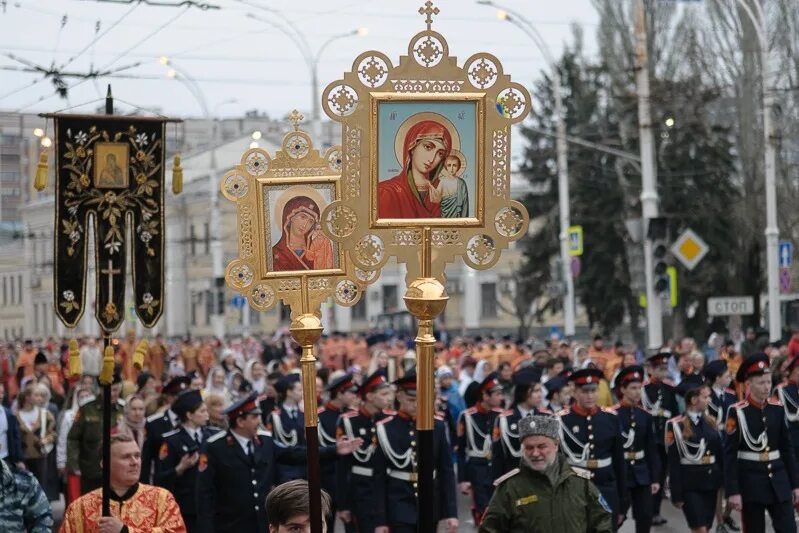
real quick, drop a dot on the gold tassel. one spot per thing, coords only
(40, 181)
(138, 355)
(107, 372)
(177, 175)
(74, 359)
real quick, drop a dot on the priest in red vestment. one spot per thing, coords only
(135, 507)
(302, 246)
(427, 145)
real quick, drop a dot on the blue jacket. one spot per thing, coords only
(23, 505)
(14, 439)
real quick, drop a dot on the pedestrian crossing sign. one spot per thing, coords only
(689, 248)
(575, 241)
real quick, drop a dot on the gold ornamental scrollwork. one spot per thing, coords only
(387, 111)
(283, 253)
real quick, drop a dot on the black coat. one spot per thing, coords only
(356, 490)
(231, 490)
(764, 482)
(663, 395)
(705, 474)
(292, 450)
(178, 443)
(601, 431)
(14, 444)
(154, 430)
(719, 406)
(397, 498)
(789, 396)
(328, 420)
(640, 472)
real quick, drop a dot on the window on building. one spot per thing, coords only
(209, 306)
(488, 300)
(13, 295)
(194, 303)
(207, 238)
(19, 289)
(36, 318)
(192, 240)
(5, 291)
(359, 309)
(389, 298)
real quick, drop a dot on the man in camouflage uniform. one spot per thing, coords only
(23, 505)
(545, 493)
(85, 439)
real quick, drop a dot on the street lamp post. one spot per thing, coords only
(310, 57)
(561, 147)
(214, 224)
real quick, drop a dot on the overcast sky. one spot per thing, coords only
(233, 56)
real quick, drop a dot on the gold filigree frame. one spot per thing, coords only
(296, 163)
(426, 73)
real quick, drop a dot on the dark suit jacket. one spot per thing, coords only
(14, 439)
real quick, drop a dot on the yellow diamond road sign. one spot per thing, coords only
(689, 248)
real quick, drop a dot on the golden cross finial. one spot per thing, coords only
(295, 118)
(428, 10)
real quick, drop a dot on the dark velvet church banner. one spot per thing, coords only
(109, 183)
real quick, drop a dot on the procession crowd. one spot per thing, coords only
(204, 430)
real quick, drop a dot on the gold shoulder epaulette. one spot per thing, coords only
(506, 476)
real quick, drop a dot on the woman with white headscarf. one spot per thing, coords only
(216, 384)
(255, 373)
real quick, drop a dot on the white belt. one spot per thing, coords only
(634, 455)
(704, 460)
(592, 464)
(362, 471)
(402, 475)
(478, 454)
(662, 413)
(760, 457)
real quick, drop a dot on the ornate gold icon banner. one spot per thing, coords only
(426, 144)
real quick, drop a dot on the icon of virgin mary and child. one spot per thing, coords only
(302, 245)
(430, 183)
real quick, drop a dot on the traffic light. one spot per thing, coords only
(656, 232)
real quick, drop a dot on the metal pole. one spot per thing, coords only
(562, 149)
(649, 194)
(563, 200)
(106, 497)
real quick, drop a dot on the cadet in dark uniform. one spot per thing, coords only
(475, 431)
(527, 397)
(176, 469)
(85, 438)
(558, 393)
(158, 424)
(545, 494)
(760, 469)
(640, 447)
(396, 467)
(718, 378)
(235, 472)
(287, 425)
(342, 392)
(788, 395)
(592, 439)
(355, 472)
(660, 401)
(695, 455)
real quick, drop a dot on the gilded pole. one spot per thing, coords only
(425, 298)
(306, 330)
